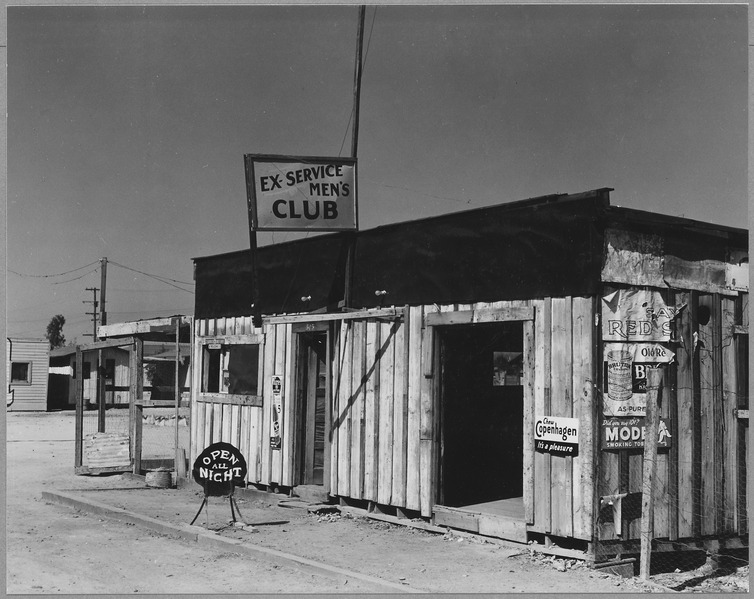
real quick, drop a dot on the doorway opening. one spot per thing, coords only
(481, 413)
(312, 403)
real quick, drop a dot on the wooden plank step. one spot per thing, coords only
(443, 516)
(490, 525)
(502, 528)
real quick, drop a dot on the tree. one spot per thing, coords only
(55, 331)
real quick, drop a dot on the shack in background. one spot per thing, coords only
(26, 373)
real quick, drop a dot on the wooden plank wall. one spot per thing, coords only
(393, 389)
(698, 481)
(384, 438)
(212, 422)
(371, 438)
(564, 386)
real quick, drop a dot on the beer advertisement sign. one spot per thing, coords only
(301, 193)
(625, 376)
(636, 315)
(556, 435)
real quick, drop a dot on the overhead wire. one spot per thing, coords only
(77, 278)
(60, 274)
(165, 280)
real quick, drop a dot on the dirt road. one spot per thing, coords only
(54, 549)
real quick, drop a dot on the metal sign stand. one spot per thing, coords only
(219, 490)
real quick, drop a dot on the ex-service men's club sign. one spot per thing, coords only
(301, 193)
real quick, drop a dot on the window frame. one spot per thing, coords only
(221, 396)
(23, 383)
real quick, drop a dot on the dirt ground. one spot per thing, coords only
(55, 549)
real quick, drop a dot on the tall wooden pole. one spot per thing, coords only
(178, 466)
(348, 284)
(651, 423)
(103, 291)
(256, 306)
(357, 83)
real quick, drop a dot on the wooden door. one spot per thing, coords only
(312, 386)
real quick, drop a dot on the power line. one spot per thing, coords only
(126, 290)
(165, 280)
(60, 274)
(151, 311)
(77, 278)
(429, 195)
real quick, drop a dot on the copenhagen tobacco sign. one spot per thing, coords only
(556, 435)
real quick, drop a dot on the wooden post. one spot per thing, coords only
(79, 390)
(351, 236)
(136, 405)
(103, 292)
(651, 422)
(101, 392)
(256, 306)
(177, 393)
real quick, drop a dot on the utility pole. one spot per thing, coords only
(103, 290)
(351, 236)
(93, 314)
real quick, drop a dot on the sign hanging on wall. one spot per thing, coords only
(301, 193)
(628, 433)
(556, 435)
(277, 409)
(636, 315)
(625, 376)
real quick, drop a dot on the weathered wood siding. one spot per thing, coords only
(213, 420)
(564, 386)
(386, 403)
(700, 481)
(385, 382)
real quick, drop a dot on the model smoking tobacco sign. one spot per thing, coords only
(629, 433)
(295, 194)
(556, 435)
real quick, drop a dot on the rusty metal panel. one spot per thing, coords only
(633, 258)
(698, 275)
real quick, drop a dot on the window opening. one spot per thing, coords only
(232, 369)
(20, 373)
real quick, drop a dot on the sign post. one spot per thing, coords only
(654, 380)
(290, 193)
(218, 469)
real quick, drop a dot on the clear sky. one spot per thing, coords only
(127, 126)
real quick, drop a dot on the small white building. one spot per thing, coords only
(27, 367)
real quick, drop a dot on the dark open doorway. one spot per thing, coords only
(312, 397)
(481, 458)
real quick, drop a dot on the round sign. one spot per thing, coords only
(219, 468)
